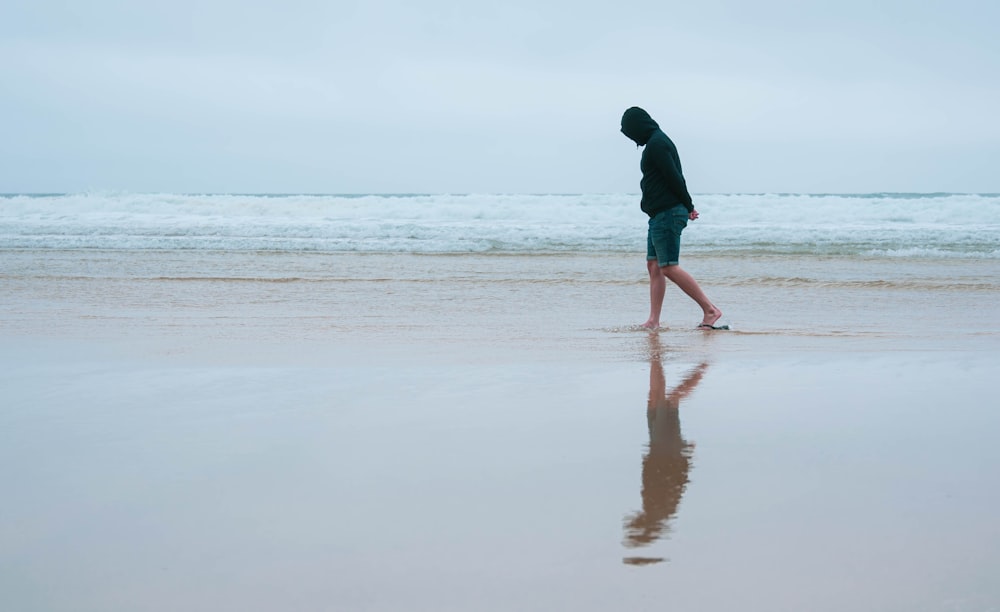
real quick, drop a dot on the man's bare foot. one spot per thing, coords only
(651, 325)
(711, 316)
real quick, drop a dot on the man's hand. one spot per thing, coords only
(693, 215)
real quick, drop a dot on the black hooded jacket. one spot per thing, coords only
(662, 184)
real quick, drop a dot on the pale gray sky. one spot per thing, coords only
(518, 96)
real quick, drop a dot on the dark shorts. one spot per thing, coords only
(663, 241)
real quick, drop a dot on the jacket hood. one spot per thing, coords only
(638, 125)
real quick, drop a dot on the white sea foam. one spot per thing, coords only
(892, 225)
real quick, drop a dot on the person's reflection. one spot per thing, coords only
(665, 466)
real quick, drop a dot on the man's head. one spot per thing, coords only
(638, 125)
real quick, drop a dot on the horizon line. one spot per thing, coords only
(404, 194)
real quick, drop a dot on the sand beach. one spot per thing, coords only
(259, 431)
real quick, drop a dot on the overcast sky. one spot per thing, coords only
(428, 96)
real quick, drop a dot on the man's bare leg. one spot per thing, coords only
(657, 287)
(690, 286)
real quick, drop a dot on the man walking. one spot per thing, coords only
(666, 200)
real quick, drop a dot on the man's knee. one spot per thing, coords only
(670, 271)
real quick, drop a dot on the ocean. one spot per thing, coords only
(777, 264)
(932, 226)
(552, 268)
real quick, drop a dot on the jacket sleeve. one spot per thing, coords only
(669, 166)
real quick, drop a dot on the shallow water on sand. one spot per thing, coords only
(214, 430)
(516, 301)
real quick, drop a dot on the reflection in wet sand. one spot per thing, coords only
(667, 461)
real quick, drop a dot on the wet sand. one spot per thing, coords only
(455, 443)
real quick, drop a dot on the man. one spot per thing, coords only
(666, 200)
(667, 462)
